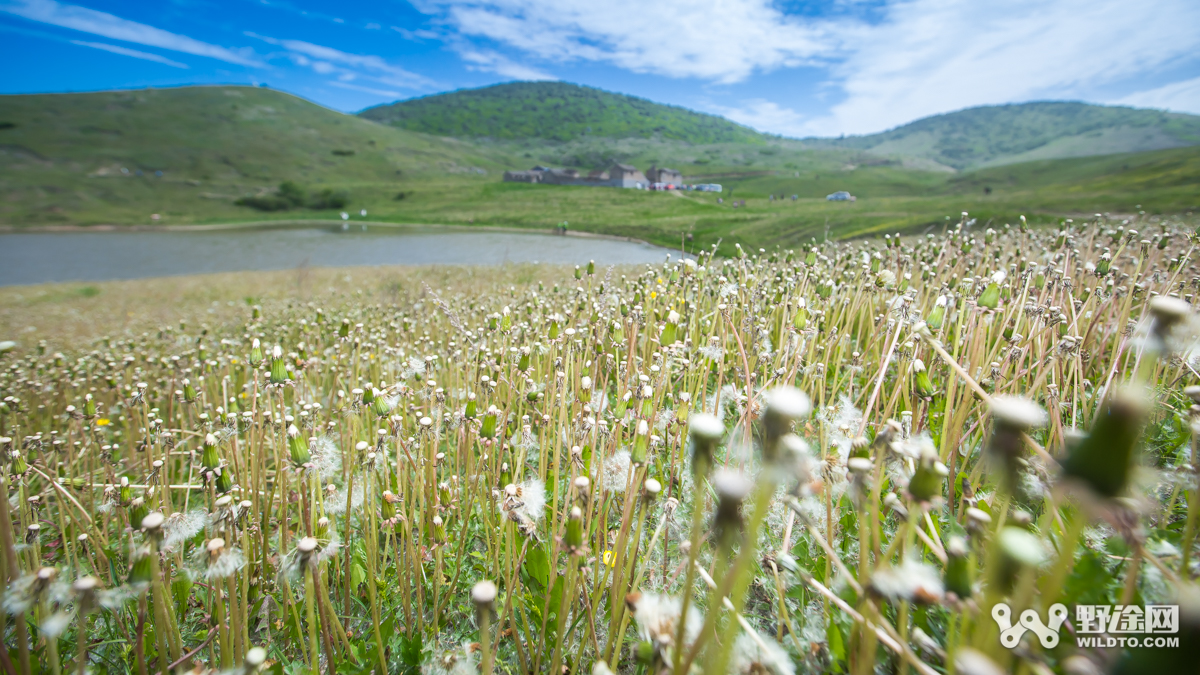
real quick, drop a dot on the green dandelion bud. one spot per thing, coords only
(938, 315)
(488, 429)
(990, 298)
(380, 405)
(578, 272)
(89, 407)
(1103, 460)
(591, 267)
(669, 330)
(505, 474)
(1104, 265)
(224, 482)
(811, 258)
(926, 481)
(641, 441)
(506, 321)
(801, 319)
(922, 386)
(279, 373)
(19, 465)
(523, 362)
(344, 329)
(574, 535)
(387, 509)
(1162, 243)
(138, 511)
(256, 353)
(957, 573)
(208, 455)
(472, 407)
(297, 446)
(141, 571)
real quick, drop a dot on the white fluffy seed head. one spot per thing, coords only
(483, 593)
(1017, 411)
(731, 484)
(788, 403)
(705, 427)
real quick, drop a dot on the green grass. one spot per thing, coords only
(556, 111)
(61, 160)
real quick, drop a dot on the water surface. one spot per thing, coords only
(41, 257)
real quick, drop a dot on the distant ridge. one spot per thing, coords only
(555, 111)
(1022, 132)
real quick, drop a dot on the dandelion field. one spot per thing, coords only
(834, 459)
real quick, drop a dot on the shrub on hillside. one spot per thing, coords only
(329, 199)
(290, 195)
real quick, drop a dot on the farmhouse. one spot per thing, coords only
(618, 175)
(664, 175)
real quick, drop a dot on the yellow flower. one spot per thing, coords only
(103, 422)
(610, 558)
(653, 294)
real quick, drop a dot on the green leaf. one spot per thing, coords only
(1089, 581)
(837, 646)
(537, 566)
(410, 653)
(357, 575)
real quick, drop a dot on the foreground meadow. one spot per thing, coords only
(846, 458)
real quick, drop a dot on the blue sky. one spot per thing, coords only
(795, 68)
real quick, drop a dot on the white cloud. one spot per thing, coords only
(329, 60)
(114, 27)
(367, 90)
(723, 41)
(932, 56)
(1179, 96)
(765, 116)
(497, 63)
(123, 51)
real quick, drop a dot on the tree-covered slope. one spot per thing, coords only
(993, 135)
(555, 111)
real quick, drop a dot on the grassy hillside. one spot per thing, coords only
(189, 153)
(555, 111)
(1006, 134)
(61, 161)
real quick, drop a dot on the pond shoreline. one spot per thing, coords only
(93, 254)
(300, 224)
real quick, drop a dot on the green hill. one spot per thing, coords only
(1007, 134)
(555, 111)
(189, 153)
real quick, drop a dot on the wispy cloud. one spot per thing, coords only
(123, 51)
(932, 56)
(327, 60)
(114, 27)
(720, 41)
(764, 115)
(1179, 96)
(492, 62)
(366, 90)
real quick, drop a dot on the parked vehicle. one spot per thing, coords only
(841, 196)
